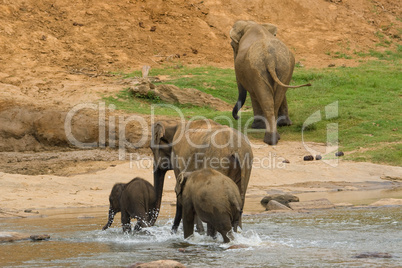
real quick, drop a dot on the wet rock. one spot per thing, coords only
(387, 202)
(158, 264)
(284, 199)
(39, 237)
(373, 255)
(312, 204)
(308, 158)
(275, 205)
(12, 236)
(318, 157)
(340, 153)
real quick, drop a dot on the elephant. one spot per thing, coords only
(135, 199)
(264, 68)
(185, 147)
(213, 197)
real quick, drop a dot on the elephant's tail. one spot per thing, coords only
(240, 102)
(272, 72)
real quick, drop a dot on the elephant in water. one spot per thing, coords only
(213, 197)
(135, 199)
(186, 147)
(263, 67)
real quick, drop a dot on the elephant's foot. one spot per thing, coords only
(271, 138)
(127, 228)
(174, 229)
(284, 121)
(258, 124)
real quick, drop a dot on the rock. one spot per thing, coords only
(12, 236)
(318, 157)
(387, 202)
(275, 205)
(373, 255)
(312, 204)
(153, 29)
(284, 199)
(286, 161)
(308, 158)
(158, 264)
(174, 95)
(340, 153)
(40, 237)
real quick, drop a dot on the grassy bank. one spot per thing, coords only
(367, 99)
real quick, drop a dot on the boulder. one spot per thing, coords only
(275, 205)
(174, 95)
(158, 264)
(281, 198)
(312, 204)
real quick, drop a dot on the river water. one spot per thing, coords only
(321, 238)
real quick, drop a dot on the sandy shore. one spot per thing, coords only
(269, 174)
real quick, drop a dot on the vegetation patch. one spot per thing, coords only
(367, 102)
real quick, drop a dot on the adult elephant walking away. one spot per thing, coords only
(264, 67)
(186, 147)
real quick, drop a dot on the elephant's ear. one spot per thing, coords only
(158, 131)
(271, 28)
(237, 30)
(181, 180)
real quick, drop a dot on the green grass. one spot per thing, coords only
(369, 99)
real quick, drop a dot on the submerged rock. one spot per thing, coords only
(40, 237)
(373, 255)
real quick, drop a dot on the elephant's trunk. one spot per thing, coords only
(110, 219)
(240, 102)
(159, 178)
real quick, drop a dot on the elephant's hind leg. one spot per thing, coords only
(283, 114)
(188, 220)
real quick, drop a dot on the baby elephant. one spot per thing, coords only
(213, 197)
(135, 199)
